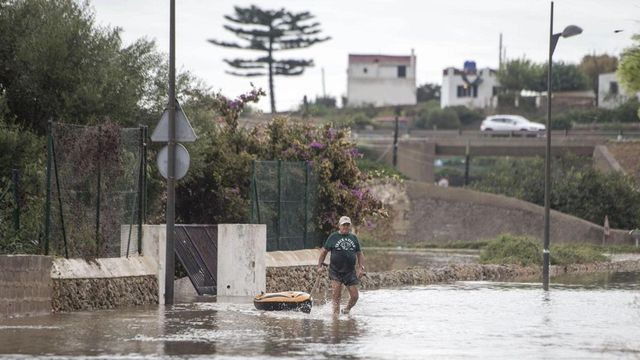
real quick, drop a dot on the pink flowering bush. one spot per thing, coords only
(217, 188)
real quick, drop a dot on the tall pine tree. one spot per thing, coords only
(270, 31)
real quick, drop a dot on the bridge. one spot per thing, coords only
(417, 150)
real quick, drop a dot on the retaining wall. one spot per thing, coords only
(429, 213)
(103, 283)
(25, 285)
(302, 278)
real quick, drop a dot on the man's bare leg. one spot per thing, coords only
(353, 298)
(336, 287)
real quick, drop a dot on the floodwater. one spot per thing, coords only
(581, 317)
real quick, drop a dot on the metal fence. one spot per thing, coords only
(95, 180)
(284, 197)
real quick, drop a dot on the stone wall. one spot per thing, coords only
(103, 293)
(103, 283)
(25, 285)
(302, 278)
(428, 213)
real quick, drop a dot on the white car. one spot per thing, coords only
(510, 123)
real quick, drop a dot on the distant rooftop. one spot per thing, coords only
(373, 59)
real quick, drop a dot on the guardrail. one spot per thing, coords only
(574, 133)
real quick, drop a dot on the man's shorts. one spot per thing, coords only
(349, 278)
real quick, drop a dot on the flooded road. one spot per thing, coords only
(593, 316)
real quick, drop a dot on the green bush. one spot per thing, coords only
(467, 116)
(436, 118)
(217, 188)
(510, 249)
(361, 120)
(577, 189)
(376, 169)
(524, 251)
(575, 254)
(625, 113)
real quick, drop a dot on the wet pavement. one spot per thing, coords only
(587, 316)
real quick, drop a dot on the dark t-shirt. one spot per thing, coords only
(343, 251)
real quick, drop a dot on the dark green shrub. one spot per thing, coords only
(467, 116)
(436, 118)
(510, 249)
(575, 254)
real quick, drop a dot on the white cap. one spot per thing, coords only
(344, 220)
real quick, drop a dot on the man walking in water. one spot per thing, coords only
(345, 248)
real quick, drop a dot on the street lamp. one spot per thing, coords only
(569, 31)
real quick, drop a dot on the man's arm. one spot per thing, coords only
(361, 268)
(323, 255)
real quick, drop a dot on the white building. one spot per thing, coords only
(381, 80)
(610, 93)
(469, 87)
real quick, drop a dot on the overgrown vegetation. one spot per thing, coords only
(524, 251)
(577, 189)
(217, 189)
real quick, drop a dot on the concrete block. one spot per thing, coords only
(241, 259)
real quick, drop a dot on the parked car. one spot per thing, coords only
(503, 123)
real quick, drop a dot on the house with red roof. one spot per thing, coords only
(381, 80)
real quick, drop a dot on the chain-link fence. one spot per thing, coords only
(95, 181)
(284, 197)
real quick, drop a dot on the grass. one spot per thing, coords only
(518, 250)
(521, 250)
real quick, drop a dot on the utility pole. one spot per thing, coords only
(500, 53)
(324, 90)
(395, 139)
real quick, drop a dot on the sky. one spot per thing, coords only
(442, 34)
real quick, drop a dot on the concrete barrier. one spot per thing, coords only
(102, 283)
(25, 285)
(241, 257)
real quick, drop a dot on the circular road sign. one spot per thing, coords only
(182, 161)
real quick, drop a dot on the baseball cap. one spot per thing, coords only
(344, 220)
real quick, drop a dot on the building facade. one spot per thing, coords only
(610, 93)
(471, 87)
(381, 80)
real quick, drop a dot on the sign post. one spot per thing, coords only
(166, 131)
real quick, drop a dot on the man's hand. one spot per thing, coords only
(320, 268)
(360, 272)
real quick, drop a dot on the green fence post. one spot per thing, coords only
(256, 194)
(55, 170)
(252, 197)
(140, 189)
(306, 204)
(47, 204)
(279, 226)
(98, 192)
(145, 179)
(15, 179)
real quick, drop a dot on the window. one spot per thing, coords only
(613, 88)
(466, 91)
(402, 71)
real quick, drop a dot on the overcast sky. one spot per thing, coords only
(442, 34)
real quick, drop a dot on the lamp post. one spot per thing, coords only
(569, 31)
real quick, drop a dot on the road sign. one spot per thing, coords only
(182, 161)
(184, 131)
